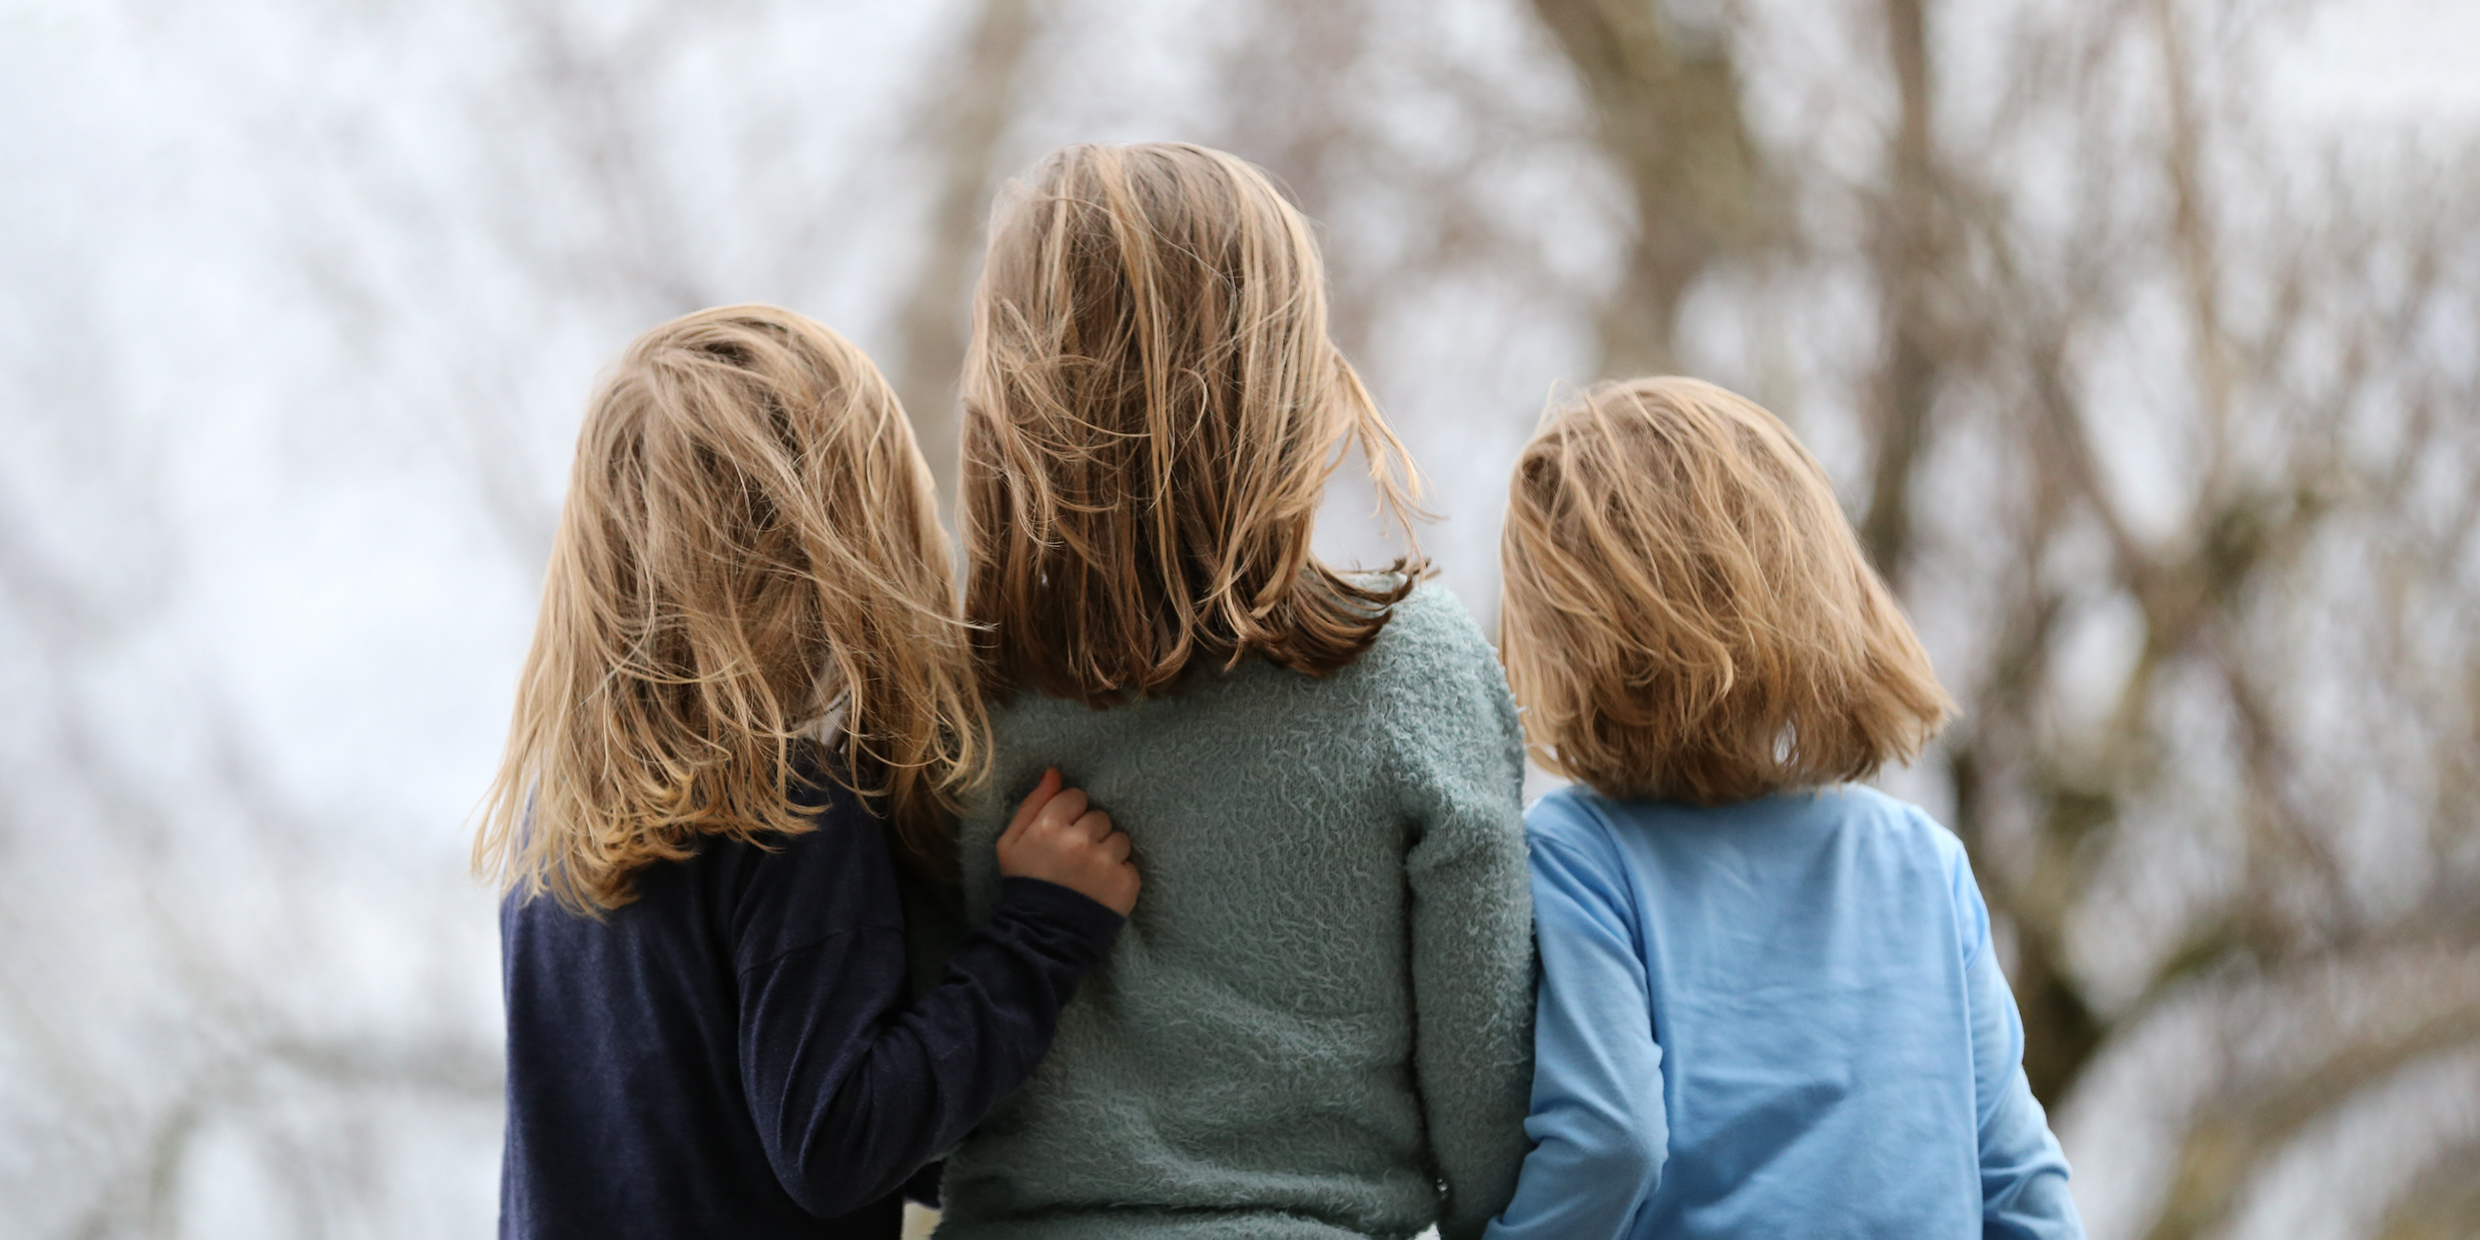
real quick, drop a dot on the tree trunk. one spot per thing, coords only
(1667, 110)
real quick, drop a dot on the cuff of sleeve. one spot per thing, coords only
(1081, 916)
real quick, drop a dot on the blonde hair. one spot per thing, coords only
(1686, 613)
(749, 562)
(1152, 408)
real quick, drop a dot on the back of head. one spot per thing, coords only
(1152, 407)
(749, 558)
(1687, 614)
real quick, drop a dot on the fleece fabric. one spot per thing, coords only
(733, 1053)
(1316, 1024)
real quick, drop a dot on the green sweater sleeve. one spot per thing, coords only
(1461, 766)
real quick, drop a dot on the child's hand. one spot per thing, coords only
(1058, 838)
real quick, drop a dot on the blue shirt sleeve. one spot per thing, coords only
(1598, 1126)
(2023, 1171)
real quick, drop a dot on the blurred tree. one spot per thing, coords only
(2442, 1204)
(961, 126)
(1666, 105)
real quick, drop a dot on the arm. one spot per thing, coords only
(1598, 1125)
(2023, 1172)
(1470, 928)
(854, 1090)
(1472, 1005)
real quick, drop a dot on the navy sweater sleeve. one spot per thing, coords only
(736, 1052)
(851, 1098)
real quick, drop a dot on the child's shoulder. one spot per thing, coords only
(1578, 816)
(1429, 612)
(1431, 674)
(1428, 629)
(1898, 836)
(1575, 819)
(1892, 818)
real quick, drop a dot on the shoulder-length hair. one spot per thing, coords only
(1152, 408)
(1686, 612)
(749, 560)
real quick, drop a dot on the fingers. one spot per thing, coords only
(1095, 825)
(1058, 836)
(1033, 803)
(1117, 888)
(1096, 829)
(1060, 812)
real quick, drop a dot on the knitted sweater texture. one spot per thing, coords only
(1316, 1023)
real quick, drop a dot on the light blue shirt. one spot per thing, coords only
(1777, 1018)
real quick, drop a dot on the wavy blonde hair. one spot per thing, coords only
(749, 561)
(1152, 409)
(1686, 612)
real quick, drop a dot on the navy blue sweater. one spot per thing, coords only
(734, 1054)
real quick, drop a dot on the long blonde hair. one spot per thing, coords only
(1686, 613)
(749, 561)
(1152, 408)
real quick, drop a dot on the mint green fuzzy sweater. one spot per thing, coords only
(1317, 1021)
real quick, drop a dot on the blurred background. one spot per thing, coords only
(2141, 336)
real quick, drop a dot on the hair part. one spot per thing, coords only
(1152, 409)
(1687, 614)
(749, 561)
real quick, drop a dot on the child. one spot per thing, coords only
(747, 655)
(1769, 1002)
(1316, 1026)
